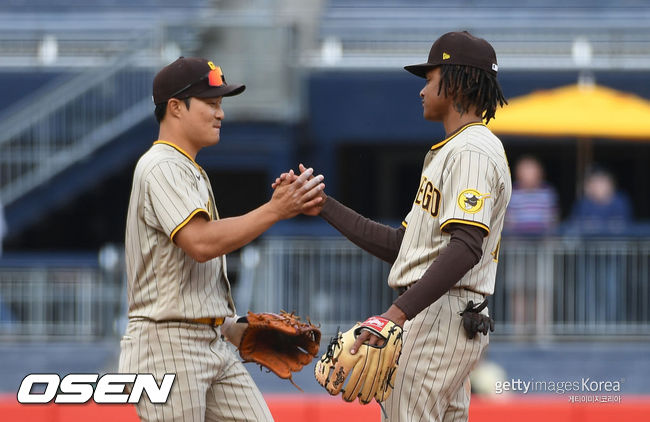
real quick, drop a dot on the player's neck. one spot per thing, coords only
(168, 134)
(454, 120)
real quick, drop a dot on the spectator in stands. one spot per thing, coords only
(602, 210)
(533, 211)
(533, 208)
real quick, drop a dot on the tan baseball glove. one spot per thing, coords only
(371, 371)
(280, 342)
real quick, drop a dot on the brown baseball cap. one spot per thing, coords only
(460, 48)
(192, 77)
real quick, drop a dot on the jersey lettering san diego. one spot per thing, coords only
(428, 197)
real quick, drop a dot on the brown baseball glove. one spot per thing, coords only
(280, 342)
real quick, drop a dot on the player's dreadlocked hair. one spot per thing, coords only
(471, 86)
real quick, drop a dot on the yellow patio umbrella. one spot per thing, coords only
(582, 111)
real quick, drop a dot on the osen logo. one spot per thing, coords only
(80, 388)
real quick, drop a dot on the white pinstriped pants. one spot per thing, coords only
(432, 381)
(211, 382)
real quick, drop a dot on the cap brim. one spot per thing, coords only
(222, 91)
(420, 69)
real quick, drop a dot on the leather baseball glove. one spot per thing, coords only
(371, 371)
(280, 342)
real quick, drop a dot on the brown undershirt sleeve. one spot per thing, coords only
(461, 254)
(378, 239)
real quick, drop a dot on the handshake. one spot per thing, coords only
(298, 194)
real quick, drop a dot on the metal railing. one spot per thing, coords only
(573, 287)
(525, 35)
(549, 288)
(86, 36)
(331, 281)
(106, 62)
(545, 289)
(65, 122)
(48, 301)
(70, 118)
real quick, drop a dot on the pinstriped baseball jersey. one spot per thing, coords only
(465, 179)
(164, 283)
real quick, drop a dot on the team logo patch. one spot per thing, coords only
(446, 56)
(471, 201)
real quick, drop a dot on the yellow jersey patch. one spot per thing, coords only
(471, 201)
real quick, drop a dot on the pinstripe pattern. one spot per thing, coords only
(164, 283)
(211, 382)
(458, 409)
(465, 179)
(473, 159)
(435, 364)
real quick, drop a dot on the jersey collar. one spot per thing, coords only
(441, 143)
(179, 149)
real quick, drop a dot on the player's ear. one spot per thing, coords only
(175, 107)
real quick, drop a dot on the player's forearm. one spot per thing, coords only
(215, 238)
(460, 255)
(378, 239)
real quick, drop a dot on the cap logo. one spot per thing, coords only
(495, 67)
(215, 76)
(212, 66)
(445, 56)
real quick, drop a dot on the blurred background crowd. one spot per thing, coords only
(325, 87)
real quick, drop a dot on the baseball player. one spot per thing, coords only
(178, 289)
(446, 252)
